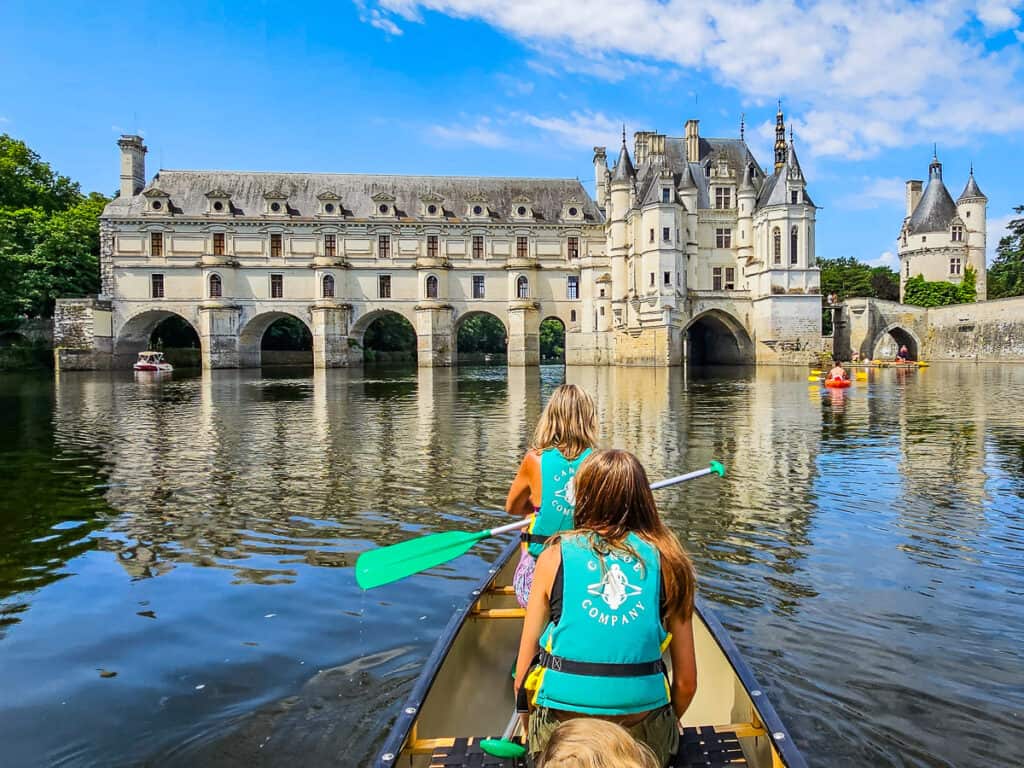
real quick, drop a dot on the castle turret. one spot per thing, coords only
(971, 207)
(620, 193)
(133, 165)
(746, 198)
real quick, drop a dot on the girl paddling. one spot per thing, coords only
(565, 435)
(608, 597)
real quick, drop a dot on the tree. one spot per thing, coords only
(939, 293)
(848, 278)
(1006, 275)
(482, 333)
(552, 339)
(885, 283)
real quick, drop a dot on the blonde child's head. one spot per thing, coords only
(569, 422)
(588, 742)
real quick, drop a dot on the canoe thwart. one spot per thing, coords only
(701, 747)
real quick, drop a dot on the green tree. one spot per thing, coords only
(939, 293)
(27, 182)
(390, 333)
(1006, 275)
(552, 339)
(885, 283)
(847, 278)
(482, 333)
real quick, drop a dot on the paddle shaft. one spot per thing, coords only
(654, 486)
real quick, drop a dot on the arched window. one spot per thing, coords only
(215, 287)
(522, 287)
(328, 286)
(792, 245)
(776, 246)
(431, 287)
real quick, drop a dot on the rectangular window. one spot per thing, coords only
(601, 293)
(652, 279)
(330, 246)
(572, 288)
(730, 278)
(383, 286)
(277, 286)
(667, 278)
(574, 248)
(478, 286)
(795, 196)
(666, 195)
(958, 234)
(432, 246)
(478, 246)
(954, 265)
(652, 234)
(275, 245)
(522, 247)
(218, 243)
(384, 246)
(716, 278)
(666, 234)
(156, 244)
(156, 285)
(723, 238)
(723, 197)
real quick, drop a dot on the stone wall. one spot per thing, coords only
(988, 331)
(82, 334)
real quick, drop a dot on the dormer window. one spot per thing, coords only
(433, 206)
(277, 202)
(522, 208)
(666, 195)
(218, 202)
(157, 201)
(384, 204)
(476, 207)
(957, 233)
(795, 197)
(330, 204)
(572, 210)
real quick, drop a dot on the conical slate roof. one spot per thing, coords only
(624, 170)
(936, 209)
(972, 189)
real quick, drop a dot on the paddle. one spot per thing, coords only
(387, 564)
(504, 747)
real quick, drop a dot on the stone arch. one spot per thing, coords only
(134, 334)
(715, 337)
(552, 349)
(362, 325)
(250, 339)
(13, 339)
(486, 349)
(888, 341)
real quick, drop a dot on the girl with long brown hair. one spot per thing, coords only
(607, 600)
(543, 487)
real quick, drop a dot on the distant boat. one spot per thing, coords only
(152, 362)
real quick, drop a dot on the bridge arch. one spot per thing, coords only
(395, 347)
(480, 336)
(251, 340)
(715, 337)
(552, 339)
(135, 333)
(889, 340)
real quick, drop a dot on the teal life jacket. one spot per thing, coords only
(557, 498)
(603, 656)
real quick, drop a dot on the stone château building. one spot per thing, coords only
(939, 238)
(690, 251)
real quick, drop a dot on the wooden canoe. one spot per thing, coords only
(465, 692)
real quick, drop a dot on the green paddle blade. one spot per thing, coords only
(502, 748)
(387, 564)
(718, 468)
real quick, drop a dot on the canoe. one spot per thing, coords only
(837, 383)
(464, 692)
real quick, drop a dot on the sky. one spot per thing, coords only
(529, 87)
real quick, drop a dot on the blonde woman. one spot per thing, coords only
(587, 742)
(565, 436)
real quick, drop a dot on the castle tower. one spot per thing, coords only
(971, 208)
(780, 138)
(746, 199)
(133, 165)
(621, 193)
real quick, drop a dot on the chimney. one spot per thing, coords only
(640, 147)
(133, 165)
(600, 174)
(692, 141)
(913, 196)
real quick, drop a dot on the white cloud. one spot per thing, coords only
(868, 74)
(887, 259)
(875, 193)
(375, 18)
(998, 228)
(480, 131)
(579, 129)
(515, 86)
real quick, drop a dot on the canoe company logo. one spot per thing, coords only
(568, 493)
(614, 588)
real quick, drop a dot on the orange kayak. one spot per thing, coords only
(837, 383)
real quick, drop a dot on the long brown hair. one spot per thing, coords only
(569, 422)
(614, 499)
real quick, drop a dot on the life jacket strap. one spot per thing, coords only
(533, 538)
(597, 669)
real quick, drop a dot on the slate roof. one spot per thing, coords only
(247, 189)
(935, 211)
(972, 189)
(624, 170)
(774, 189)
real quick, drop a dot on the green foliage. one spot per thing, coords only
(287, 333)
(482, 333)
(939, 293)
(1006, 275)
(174, 333)
(390, 333)
(848, 277)
(49, 234)
(552, 339)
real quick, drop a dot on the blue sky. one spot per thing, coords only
(528, 87)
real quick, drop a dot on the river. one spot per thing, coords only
(176, 583)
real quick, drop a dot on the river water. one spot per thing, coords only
(176, 583)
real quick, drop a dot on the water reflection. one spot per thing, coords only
(195, 536)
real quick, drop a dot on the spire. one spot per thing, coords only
(780, 138)
(972, 190)
(747, 183)
(686, 180)
(624, 167)
(795, 171)
(935, 169)
(743, 126)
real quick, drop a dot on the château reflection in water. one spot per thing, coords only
(195, 535)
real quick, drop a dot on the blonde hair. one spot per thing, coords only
(569, 422)
(589, 742)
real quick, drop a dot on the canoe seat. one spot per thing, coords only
(702, 747)
(465, 753)
(705, 747)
